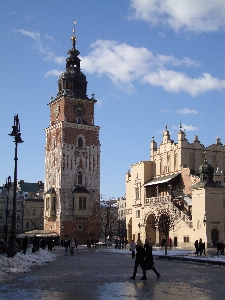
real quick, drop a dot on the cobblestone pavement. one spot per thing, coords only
(103, 275)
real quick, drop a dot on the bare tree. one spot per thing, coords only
(108, 217)
(165, 220)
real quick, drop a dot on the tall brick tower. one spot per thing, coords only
(72, 157)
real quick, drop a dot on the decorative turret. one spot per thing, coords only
(166, 135)
(181, 134)
(206, 172)
(72, 83)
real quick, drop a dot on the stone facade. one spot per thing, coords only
(164, 185)
(72, 158)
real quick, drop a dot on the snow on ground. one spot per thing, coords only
(20, 263)
(179, 253)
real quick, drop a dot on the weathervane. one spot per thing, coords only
(73, 38)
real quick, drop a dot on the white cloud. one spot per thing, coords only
(177, 82)
(53, 73)
(120, 62)
(123, 64)
(191, 15)
(187, 127)
(186, 111)
(49, 55)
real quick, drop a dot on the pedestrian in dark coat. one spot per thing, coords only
(139, 260)
(222, 247)
(218, 247)
(25, 245)
(66, 245)
(149, 257)
(196, 247)
(35, 244)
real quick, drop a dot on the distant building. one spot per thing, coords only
(185, 179)
(121, 202)
(33, 204)
(6, 204)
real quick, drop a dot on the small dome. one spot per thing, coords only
(206, 172)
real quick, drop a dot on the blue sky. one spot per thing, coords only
(150, 63)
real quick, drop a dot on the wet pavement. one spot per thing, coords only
(98, 275)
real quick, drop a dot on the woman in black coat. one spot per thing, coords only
(139, 260)
(149, 257)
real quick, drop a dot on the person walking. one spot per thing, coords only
(196, 247)
(149, 263)
(139, 260)
(218, 247)
(25, 245)
(66, 245)
(132, 248)
(222, 247)
(72, 246)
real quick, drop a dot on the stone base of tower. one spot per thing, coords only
(80, 229)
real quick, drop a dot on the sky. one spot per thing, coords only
(150, 63)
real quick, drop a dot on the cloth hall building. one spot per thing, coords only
(184, 181)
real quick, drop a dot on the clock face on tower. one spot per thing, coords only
(79, 108)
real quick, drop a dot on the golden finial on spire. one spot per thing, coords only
(73, 38)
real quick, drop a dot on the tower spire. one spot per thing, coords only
(73, 38)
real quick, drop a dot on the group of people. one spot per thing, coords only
(121, 243)
(38, 243)
(143, 258)
(199, 247)
(220, 247)
(70, 245)
(92, 243)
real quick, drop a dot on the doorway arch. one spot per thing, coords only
(150, 229)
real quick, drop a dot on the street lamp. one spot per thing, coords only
(17, 140)
(7, 186)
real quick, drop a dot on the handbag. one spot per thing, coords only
(148, 264)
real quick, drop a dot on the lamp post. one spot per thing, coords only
(7, 186)
(17, 139)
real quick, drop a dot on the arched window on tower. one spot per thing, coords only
(80, 142)
(80, 178)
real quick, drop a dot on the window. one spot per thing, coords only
(27, 212)
(136, 193)
(18, 216)
(34, 211)
(1, 206)
(79, 177)
(80, 142)
(18, 207)
(186, 239)
(137, 213)
(1, 216)
(82, 202)
(53, 203)
(17, 227)
(47, 203)
(27, 224)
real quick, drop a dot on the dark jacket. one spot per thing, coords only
(140, 253)
(148, 252)
(25, 243)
